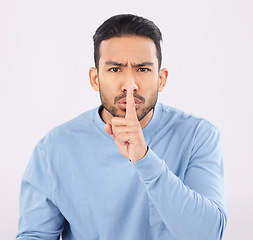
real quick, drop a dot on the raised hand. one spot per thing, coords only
(127, 132)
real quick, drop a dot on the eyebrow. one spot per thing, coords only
(110, 62)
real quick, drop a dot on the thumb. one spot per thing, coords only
(108, 129)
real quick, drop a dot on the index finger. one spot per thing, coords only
(130, 107)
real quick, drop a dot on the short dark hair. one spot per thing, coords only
(127, 25)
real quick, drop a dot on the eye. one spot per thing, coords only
(144, 70)
(114, 69)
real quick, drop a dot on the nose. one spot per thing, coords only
(129, 80)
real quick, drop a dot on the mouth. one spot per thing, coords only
(122, 103)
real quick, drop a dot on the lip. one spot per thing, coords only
(122, 103)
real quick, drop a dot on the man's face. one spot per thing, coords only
(128, 61)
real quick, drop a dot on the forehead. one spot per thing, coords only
(125, 49)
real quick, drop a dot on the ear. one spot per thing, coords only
(163, 75)
(93, 74)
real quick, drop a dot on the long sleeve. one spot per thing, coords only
(39, 217)
(192, 207)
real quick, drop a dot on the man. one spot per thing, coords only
(131, 169)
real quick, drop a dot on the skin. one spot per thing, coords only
(128, 81)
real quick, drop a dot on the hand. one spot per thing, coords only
(127, 132)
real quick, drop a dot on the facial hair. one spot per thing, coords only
(111, 108)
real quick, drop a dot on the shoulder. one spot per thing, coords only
(69, 130)
(178, 119)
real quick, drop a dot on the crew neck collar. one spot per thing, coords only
(147, 131)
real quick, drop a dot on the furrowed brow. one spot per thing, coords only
(143, 64)
(114, 63)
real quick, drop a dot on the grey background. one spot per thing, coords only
(45, 54)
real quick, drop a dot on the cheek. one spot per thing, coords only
(149, 87)
(104, 84)
(107, 91)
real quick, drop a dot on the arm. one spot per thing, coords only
(192, 208)
(39, 217)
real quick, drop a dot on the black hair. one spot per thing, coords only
(127, 25)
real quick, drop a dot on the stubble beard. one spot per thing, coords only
(115, 112)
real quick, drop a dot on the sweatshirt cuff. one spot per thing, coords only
(150, 166)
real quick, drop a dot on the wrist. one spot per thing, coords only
(141, 156)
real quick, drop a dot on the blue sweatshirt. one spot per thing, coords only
(78, 184)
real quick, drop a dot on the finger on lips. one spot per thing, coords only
(130, 107)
